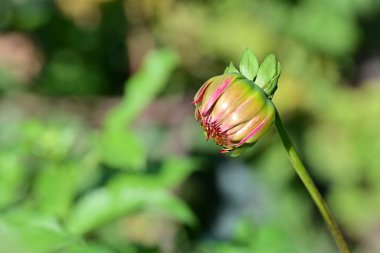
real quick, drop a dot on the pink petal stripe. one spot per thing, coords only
(227, 126)
(197, 114)
(234, 100)
(217, 94)
(199, 95)
(225, 150)
(253, 132)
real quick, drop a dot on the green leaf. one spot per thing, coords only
(175, 170)
(173, 207)
(54, 189)
(98, 208)
(273, 83)
(249, 64)
(92, 248)
(240, 150)
(12, 177)
(142, 87)
(268, 75)
(122, 149)
(267, 71)
(124, 196)
(231, 69)
(119, 147)
(29, 232)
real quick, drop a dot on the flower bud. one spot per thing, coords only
(233, 111)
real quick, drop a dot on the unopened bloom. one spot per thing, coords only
(233, 111)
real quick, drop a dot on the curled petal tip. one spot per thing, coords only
(199, 96)
(196, 101)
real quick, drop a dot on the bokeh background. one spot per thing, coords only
(100, 152)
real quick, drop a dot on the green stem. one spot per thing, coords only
(310, 186)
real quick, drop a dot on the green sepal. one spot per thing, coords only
(273, 83)
(241, 150)
(267, 72)
(231, 69)
(249, 65)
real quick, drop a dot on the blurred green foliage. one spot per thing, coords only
(99, 151)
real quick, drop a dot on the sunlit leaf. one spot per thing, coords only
(175, 170)
(55, 188)
(122, 149)
(267, 71)
(12, 178)
(28, 233)
(142, 87)
(119, 147)
(123, 196)
(249, 65)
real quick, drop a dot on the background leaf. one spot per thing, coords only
(124, 196)
(27, 232)
(142, 88)
(55, 188)
(119, 147)
(98, 135)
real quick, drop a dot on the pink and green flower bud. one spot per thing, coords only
(233, 111)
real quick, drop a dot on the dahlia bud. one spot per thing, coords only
(233, 110)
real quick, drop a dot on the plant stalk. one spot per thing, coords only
(305, 177)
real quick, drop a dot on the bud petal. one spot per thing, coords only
(233, 111)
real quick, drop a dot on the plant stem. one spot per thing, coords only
(295, 160)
